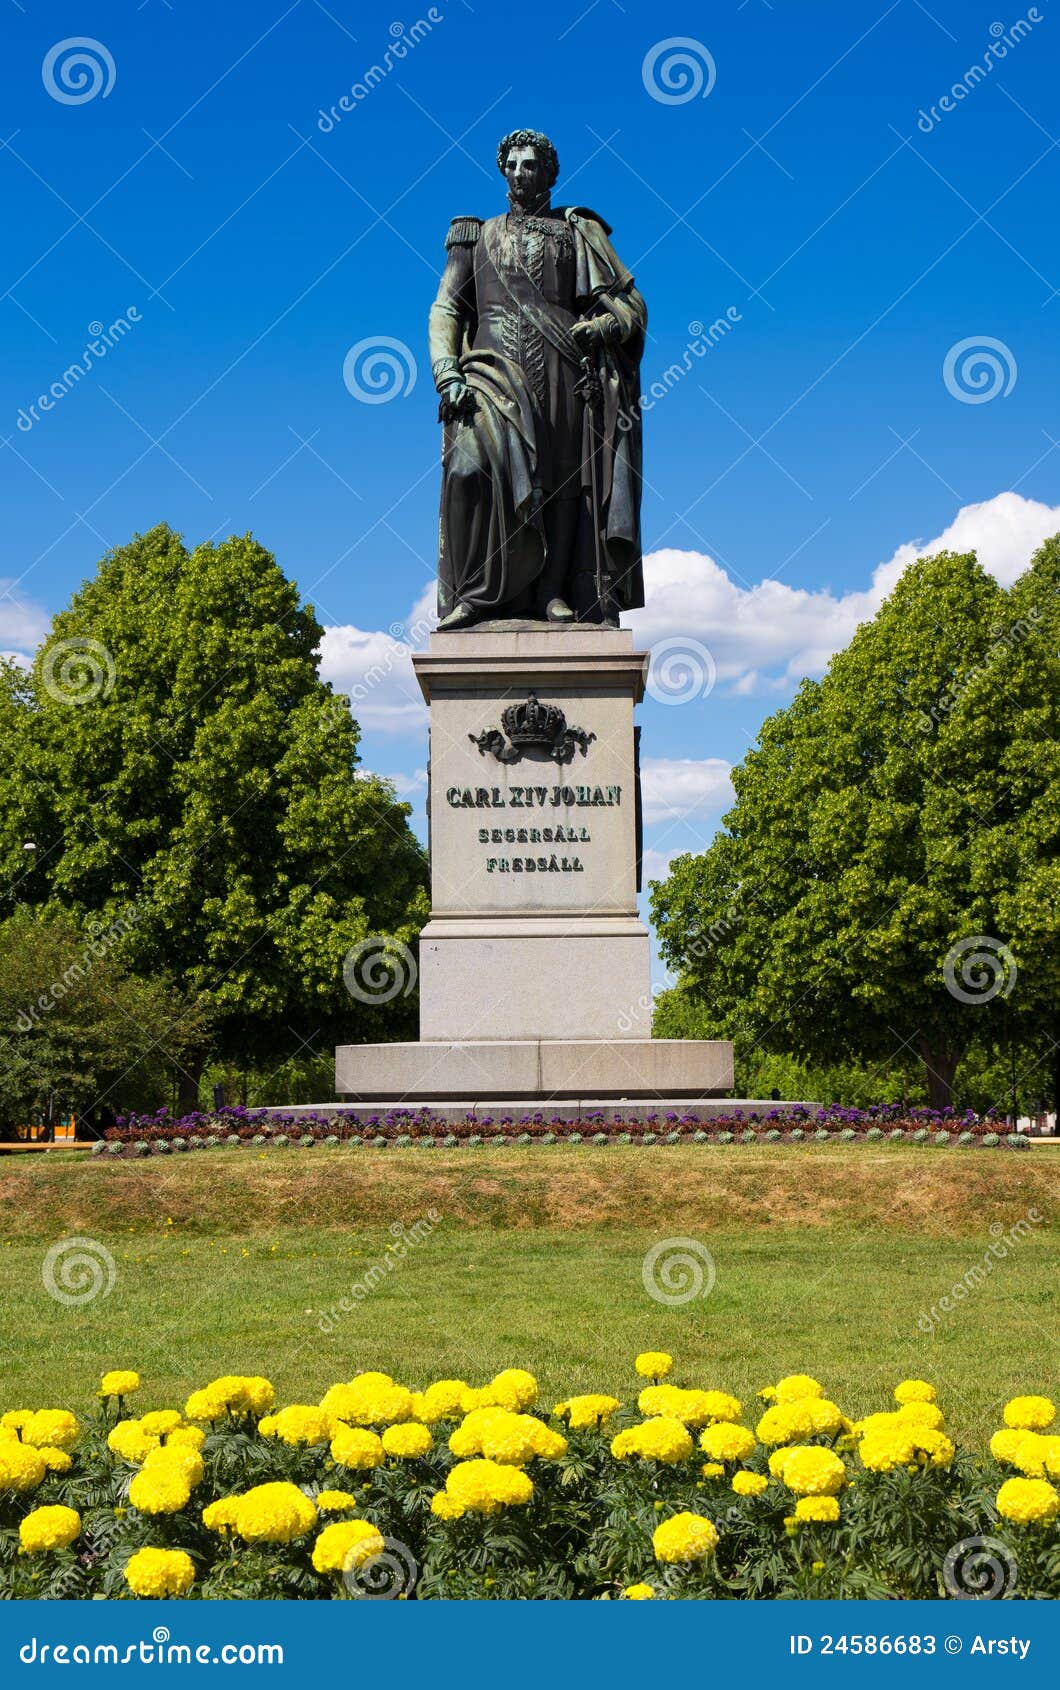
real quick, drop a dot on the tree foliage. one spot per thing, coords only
(175, 749)
(898, 811)
(80, 1031)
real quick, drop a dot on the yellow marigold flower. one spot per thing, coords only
(476, 1397)
(48, 1528)
(407, 1441)
(785, 1422)
(54, 1426)
(256, 1394)
(778, 1458)
(466, 1439)
(129, 1440)
(335, 1501)
(1050, 1453)
(825, 1416)
(514, 1389)
(159, 1421)
(548, 1444)
(160, 1490)
(712, 1470)
(822, 1510)
(1004, 1444)
(725, 1442)
(797, 1386)
(1030, 1414)
(931, 1448)
(885, 1421)
(368, 1400)
(749, 1484)
(220, 1516)
(233, 1393)
(447, 1507)
(205, 1405)
(120, 1383)
(583, 1412)
(883, 1448)
(21, 1467)
(814, 1471)
(160, 1572)
(693, 1408)
(685, 1538)
(15, 1419)
(1029, 1456)
(352, 1447)
(441, 1400)
(653, 1364)
(502, 1436)
(721, 1405)
(638, 1593)
(300, 1424)
(1028, 1501)
(173, 1458)
(484, 1487)
(923, 1414)
(658, 1439)
(914, 1390)
(274, 1513)
(185, 1437)
(347, 1544)
(55, 1460)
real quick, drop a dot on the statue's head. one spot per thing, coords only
(529, 163)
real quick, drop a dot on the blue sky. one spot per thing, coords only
(853, 240)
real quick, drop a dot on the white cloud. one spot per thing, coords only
(374, 668)
(409, 786)
(655, 865)
(770, 635)
(23, 624)
(673, 788)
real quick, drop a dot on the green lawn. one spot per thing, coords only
(835, 1297)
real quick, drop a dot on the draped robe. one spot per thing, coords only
(512, 288)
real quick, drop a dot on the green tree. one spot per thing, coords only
(1015, 864)
(73, 1020)
(179, 751)
(821, 921)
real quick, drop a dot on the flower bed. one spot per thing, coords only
(238, 1128)
(455, 1491)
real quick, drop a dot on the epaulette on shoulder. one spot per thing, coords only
(463, 231)
(572, 211)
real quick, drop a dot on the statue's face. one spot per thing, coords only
(527, 175)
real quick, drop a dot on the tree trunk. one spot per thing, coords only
(941, 1067)
(188, 1078)
(1056, 1084)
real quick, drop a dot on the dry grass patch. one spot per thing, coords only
(899, 1189)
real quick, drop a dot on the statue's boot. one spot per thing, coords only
(559, 611)
(458, 618)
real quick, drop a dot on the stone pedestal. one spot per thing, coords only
(534, 931)
(534, 966)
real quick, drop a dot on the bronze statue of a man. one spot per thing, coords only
(536, 338)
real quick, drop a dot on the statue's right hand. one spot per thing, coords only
(457, 400)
